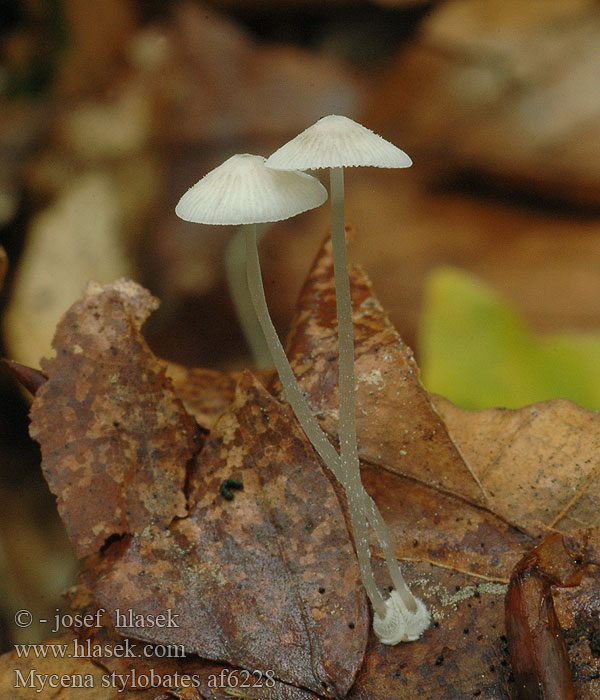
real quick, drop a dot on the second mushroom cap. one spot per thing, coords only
(336, 141)
(243, 191)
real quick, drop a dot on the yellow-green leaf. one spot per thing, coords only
(477, 350)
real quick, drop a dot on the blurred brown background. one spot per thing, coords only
(110, 109)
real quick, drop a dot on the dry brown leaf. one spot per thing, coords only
(211, 680)
(466, 655)
(266, 581)
(537, 647)
(443, 529)
(461, 656)
(205, 393)
(230, 568)
(539, 465)
(115, 439)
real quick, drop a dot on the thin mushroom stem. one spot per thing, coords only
(378, 524)
(347, 421)
(292, 391)
(235, 270)
(360, 505)
(360, 528)
(312, 430)
(346, 390)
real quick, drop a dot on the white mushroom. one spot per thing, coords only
(243, 191)
(336, 142)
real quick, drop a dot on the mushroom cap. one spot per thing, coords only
(243, 191)
(337, 142)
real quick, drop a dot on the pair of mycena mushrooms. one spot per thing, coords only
(249, 189)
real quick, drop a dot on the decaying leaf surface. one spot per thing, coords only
(205, 393)
(267, 580)
(465, 654)
(540, 465)
(397, 427)
(130, 671)
(208, 680)
(443, 529)
(461, 656)
(109, 422)
(577, 611)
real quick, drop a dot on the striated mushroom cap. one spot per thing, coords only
(337, 142)
(243, 191)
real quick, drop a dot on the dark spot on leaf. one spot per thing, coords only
(229, 485)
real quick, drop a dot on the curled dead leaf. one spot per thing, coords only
(29, 377)
(109, 422)
(538, 652)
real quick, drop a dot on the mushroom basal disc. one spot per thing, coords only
(338, 142)
(243, 191)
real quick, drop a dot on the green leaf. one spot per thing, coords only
(477, 350)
